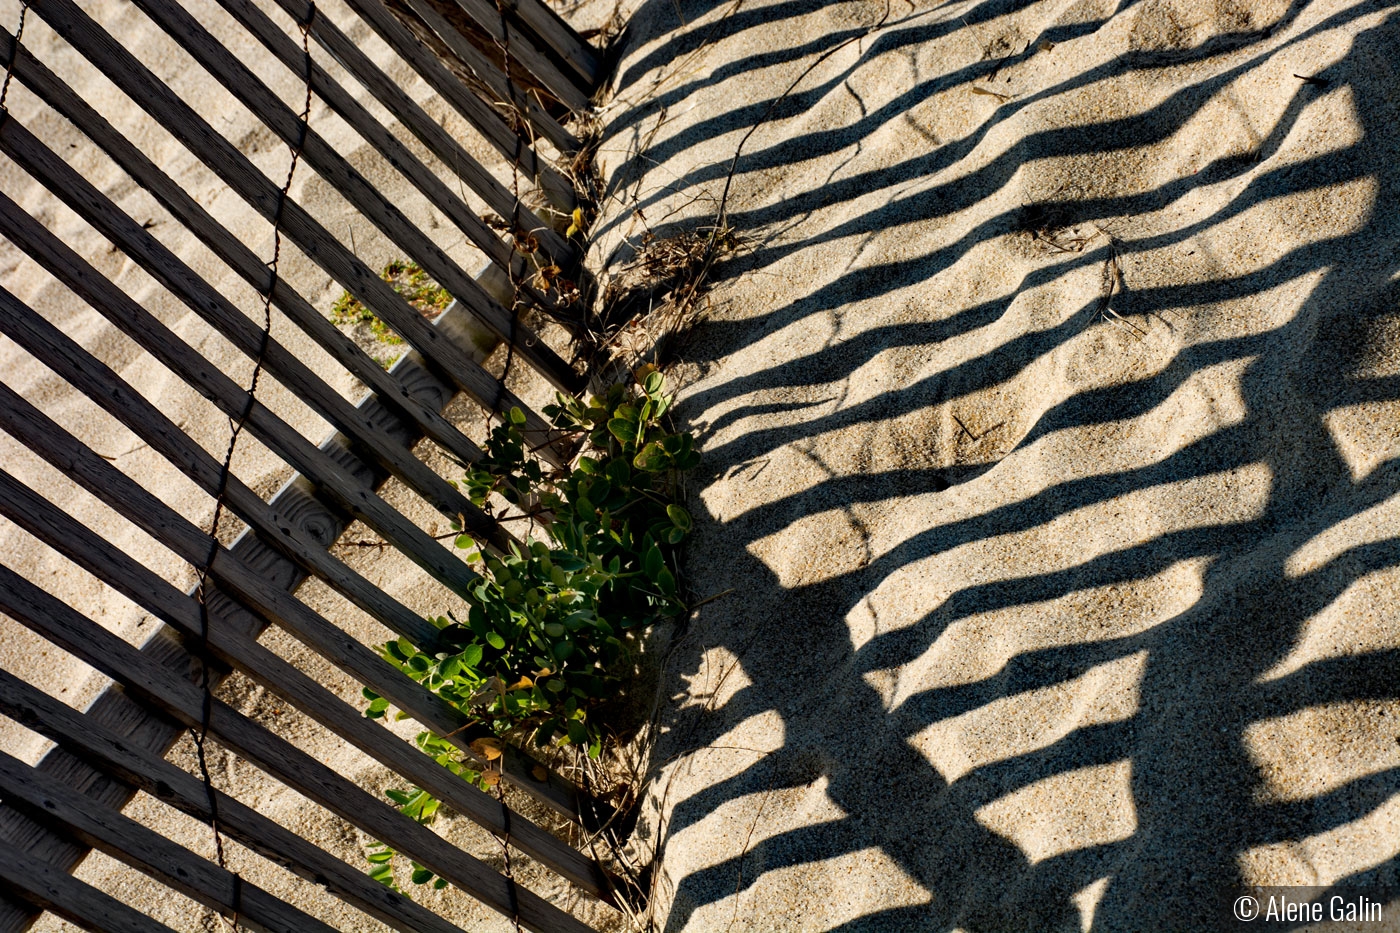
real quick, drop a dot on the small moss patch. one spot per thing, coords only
(410, 281)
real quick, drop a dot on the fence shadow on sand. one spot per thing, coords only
(1198, 797)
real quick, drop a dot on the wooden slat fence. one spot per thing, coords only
(54, 812)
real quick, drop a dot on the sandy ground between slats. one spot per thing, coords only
(25, 654)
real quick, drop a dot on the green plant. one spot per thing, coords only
(410, 281)
(546, 637)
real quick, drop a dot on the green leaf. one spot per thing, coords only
(380, 857)
(619, 472)
(421, 876)
(578, 732)
(554, 630)
(624, 431)
(653, 563)
(679, 517)
(517, 417)
(651, 458)
(476, 618)
(495, 640)
(655, 382)
(471, 657)
(384, 874)
(428, 809)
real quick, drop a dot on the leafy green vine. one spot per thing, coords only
(548, 627)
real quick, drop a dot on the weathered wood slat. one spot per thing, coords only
(37, 77)
(561, 37)
(184, 702)
(485, 70)
(147, 851)
(406, 163)
(512, 145)
(428, 131)
(296, 224)
(157, 340)
(372, 204)
(82, 736)
(30, 426)
(109, 391)
(491, 77)
(288, 522)
(224, 317)
(298, 502)
(498, 27)
(253, 580)
(51, 889)
(42, 519)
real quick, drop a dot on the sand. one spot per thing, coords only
(1050, 429)
(1050, 433)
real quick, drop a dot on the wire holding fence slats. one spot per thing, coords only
(115, 748)
(234, 906)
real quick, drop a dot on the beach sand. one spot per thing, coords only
(1050, 424)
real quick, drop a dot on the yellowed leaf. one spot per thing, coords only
(540, 773)
(524, 683)
(577, 225)
(490, 749)
(490, 778)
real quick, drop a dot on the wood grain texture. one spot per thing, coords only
(247, 586)
(296, 224)
(428, 420)
(229, 321)
(147, 851)
(407, 164)
(416, 42)
(47, 888)
(561, 37)
(496, 24)
(110, 392)
(183, 701)
(321, 520)
(80, 735)
(139, 324)
(321, 156)
(431, 134)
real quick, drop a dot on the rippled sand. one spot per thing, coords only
(1051, 432)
